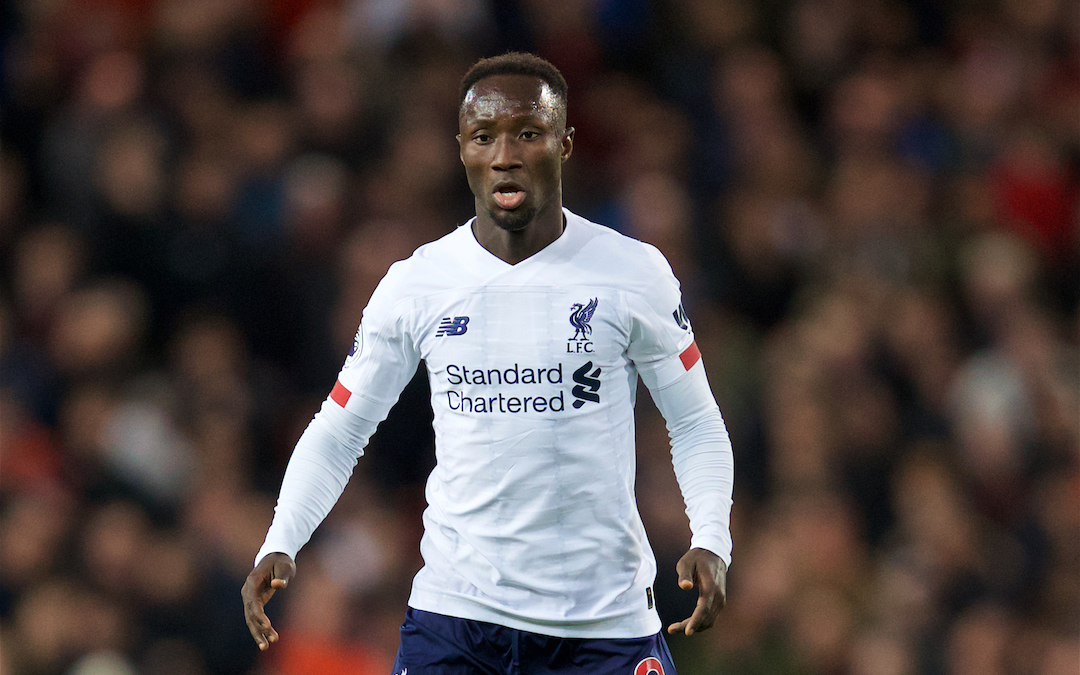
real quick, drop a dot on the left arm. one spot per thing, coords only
(662, 348)
(705, 468)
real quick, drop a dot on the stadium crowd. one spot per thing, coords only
(872, 206)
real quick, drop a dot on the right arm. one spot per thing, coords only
(318, 471)
(382, 361)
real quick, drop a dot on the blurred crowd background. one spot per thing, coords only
(872, 206)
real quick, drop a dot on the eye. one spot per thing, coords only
(530, 135)
(481, 137)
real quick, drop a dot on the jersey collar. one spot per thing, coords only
(552, 251)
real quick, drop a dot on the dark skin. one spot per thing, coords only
(708, 572)
(513, 140)
(272, 574)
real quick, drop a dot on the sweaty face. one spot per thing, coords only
(513, 142)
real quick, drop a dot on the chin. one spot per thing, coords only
(513, 221)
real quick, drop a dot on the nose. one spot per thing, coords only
(506, 155)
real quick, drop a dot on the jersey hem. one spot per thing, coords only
(633, 626)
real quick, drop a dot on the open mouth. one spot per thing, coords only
(509, 197)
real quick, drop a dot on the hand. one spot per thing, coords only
(273, 572)
(708, 572)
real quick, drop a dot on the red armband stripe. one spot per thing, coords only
(690, 356)
(339, 394)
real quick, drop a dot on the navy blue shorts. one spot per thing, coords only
(433, 644)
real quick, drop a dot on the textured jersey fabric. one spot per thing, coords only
(532, 521)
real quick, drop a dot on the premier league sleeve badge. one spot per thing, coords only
(357, 347)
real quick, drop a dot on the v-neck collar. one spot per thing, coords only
(493, 262)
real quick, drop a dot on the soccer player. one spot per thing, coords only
(534, 325)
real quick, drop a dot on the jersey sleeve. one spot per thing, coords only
(381, 362)
(384, 356)
(667, 358)
(318, 472)
(702, 457)
(661, 339)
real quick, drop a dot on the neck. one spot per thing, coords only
(514, 246)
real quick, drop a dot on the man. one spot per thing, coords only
(534, 325)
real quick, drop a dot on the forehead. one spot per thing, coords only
(510, 96)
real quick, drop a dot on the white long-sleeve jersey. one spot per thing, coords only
(532, 521)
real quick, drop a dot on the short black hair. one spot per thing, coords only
(516, 63)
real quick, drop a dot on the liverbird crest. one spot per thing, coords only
(580, 315)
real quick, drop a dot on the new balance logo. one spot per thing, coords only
(587, 385)
(453, 326)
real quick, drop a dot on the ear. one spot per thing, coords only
(459, 154)
(567, 144)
